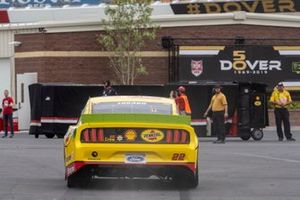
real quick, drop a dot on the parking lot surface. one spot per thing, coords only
(33, 169)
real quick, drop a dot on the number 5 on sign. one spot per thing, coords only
(239, 58)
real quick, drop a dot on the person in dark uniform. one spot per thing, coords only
(281, 98)
(218, 105)
(108, 89)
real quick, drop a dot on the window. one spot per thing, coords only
(133, 107)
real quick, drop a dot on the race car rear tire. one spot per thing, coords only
(72, 181)
(194, 180)
(80, 179)
(187, 179)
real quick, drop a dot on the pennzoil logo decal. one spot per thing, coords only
(130, 135)
(152, 135)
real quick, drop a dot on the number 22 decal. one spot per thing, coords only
(178, 156)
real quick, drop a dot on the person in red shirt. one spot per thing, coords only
(7, 110)
(183, 102)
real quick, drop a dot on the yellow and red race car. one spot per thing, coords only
(137, 136)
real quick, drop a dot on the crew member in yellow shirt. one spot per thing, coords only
(281, 98)
(219, 107)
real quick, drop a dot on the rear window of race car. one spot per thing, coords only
(133, 107)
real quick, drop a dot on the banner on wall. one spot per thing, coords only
(43, 3)
(264, 64)
(255, 6)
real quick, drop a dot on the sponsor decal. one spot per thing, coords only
(240, 64)
(70, 170)
(196, 67)
(152, 135)
(110, 138)
(132, 103)
(120, 138)
(296, 67)
(130, 135)
(135, 158)
(255, 6)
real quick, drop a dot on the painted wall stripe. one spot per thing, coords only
(38, 54)
(202, 47)
(289, 53)
(198, 52)
(286, 48)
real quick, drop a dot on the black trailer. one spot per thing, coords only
(54, 107)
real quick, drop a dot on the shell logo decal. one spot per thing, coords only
(130, 135)
(152, 135)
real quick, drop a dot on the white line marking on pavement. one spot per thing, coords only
(268, 157)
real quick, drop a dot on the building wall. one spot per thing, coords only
(49, 53)
(294, 118)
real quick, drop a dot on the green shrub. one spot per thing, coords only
(294, 105)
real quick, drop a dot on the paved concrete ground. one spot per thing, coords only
(32, 169)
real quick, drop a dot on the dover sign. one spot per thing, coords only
(43, 3)
(265, 64)
(255, 6)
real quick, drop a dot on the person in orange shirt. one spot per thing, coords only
(218, 105)
(182, 102)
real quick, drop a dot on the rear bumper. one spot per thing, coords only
(76, 166)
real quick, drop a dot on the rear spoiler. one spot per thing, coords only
(148, 118)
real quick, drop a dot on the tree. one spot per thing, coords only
(126, 29)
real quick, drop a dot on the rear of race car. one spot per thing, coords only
(135, 145)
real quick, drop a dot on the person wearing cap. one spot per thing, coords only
(281, 98)
(219, 107)
(182, 102)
